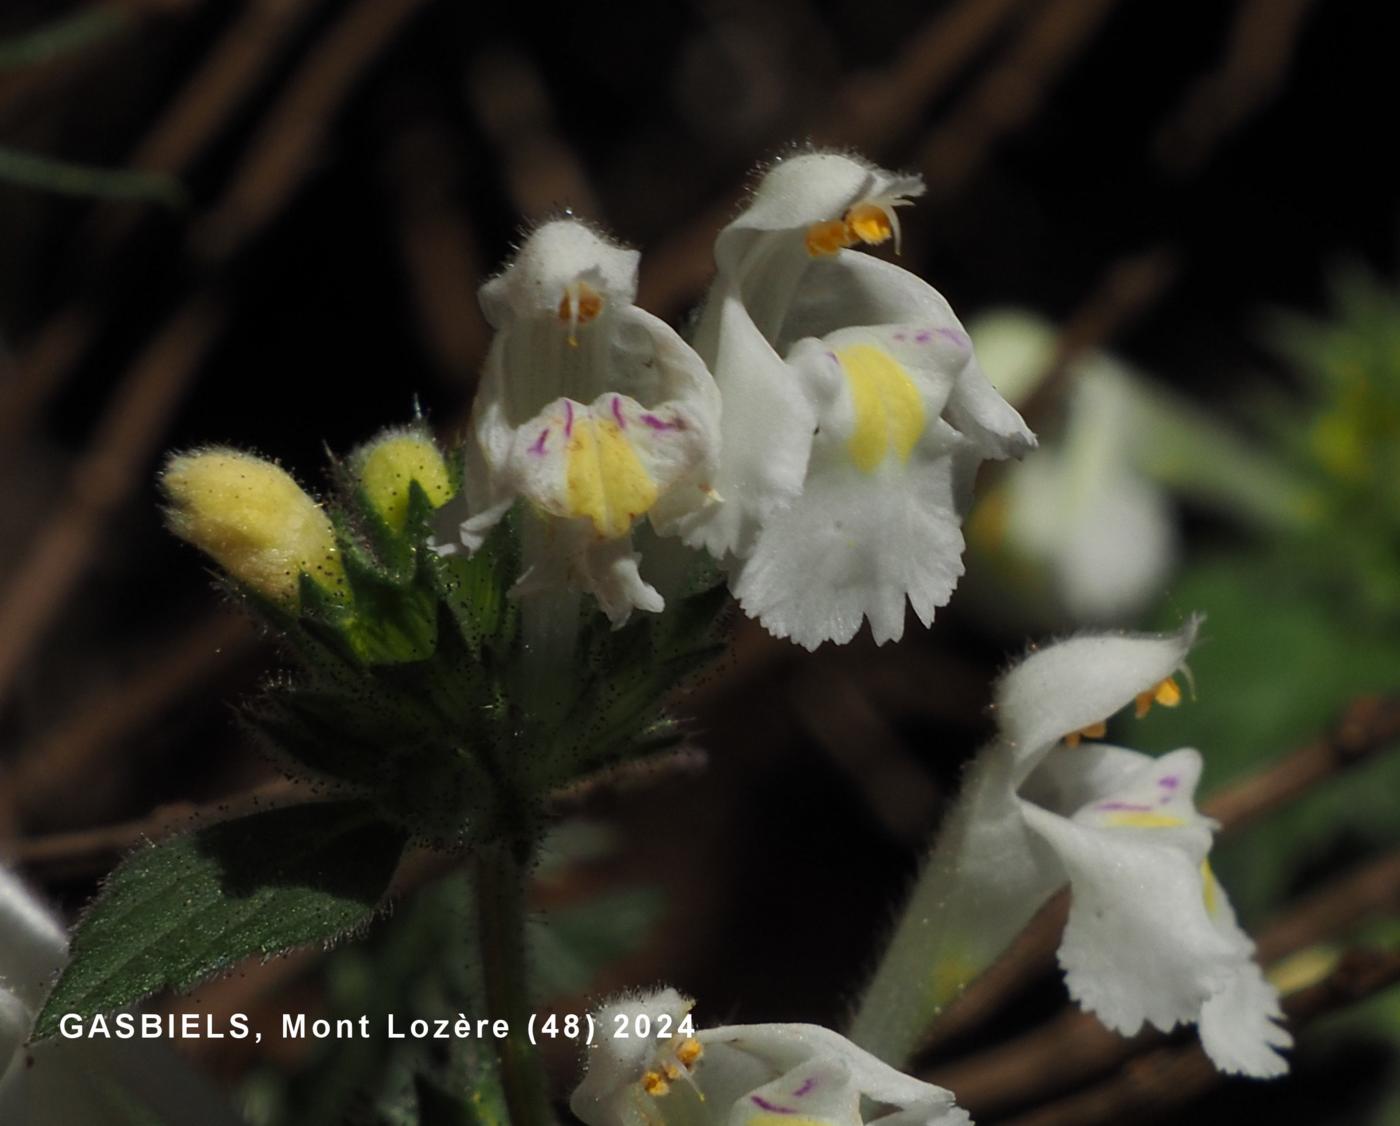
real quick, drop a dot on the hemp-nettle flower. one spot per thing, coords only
(855, 413)
(592, 410)
(84, 1082)
(1151, 936)
(740, 1075)
(1080, 508)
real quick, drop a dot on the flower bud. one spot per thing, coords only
(253, 520)
(390, 464)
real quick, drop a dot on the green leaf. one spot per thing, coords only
(174, 913)
(474, 588)
(421, 962)
(619, 710)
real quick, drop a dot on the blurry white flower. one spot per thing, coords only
(590, 409)
(1151, 936)
(855, 414)
(78, 1082)
(1079, 507)
(740, 1075)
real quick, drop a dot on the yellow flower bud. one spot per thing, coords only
(390, 464)
(253, 520)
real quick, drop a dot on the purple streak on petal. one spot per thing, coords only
(568, 419)
(900, 336)
(954, 336)
(538, 447)
(772, 1108)
(807, 1085)
(1135, 807)
(655, 423)
(923, 337)
(1169, 781)
(617, 413)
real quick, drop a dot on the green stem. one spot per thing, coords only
(952, 929)
(502, 870)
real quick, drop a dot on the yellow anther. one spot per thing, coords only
(826, 238)
(655, 1084)
(580, 304)
(872, 223)
(672, 1071)
(689, 1051)
(1165, 692)
(1093, 731)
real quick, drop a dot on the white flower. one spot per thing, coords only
(593, 411)
(83, 1082)
(1080, 507)
(1151, 937)
(855, 414)
(740, 1075)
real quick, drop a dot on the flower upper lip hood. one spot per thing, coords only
(804, 189)
(742, 1075)
(1081, 681)
(556, 255)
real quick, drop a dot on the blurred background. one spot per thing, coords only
(263, 222)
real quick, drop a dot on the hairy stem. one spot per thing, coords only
(949, 931)
(501, 873)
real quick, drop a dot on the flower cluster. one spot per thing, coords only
(826, 425)
(742, 1075)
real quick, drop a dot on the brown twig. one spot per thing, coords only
(1166, 1079)
(1218, 105)
(195, 115)
(1368, 725)
(512, 102)
(87, 850)
(1262, 44)
(108, 472)
(42, 771)
(65, 854)
(869, 112)
(279, 159)
(1127, 290)
(1009, 93)
(439, 251)
(874, 111)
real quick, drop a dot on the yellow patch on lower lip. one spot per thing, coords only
(605, 479)
(889, 411)
(1145, 819)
